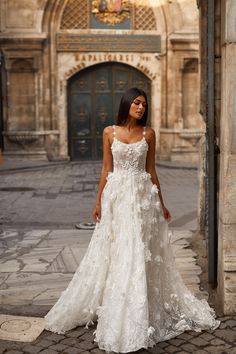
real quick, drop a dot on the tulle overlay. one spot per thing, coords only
(128, 280)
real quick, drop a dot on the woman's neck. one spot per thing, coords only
(131, 124)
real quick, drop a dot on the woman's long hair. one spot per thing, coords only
(125, 103)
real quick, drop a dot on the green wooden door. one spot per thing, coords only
(93, 100)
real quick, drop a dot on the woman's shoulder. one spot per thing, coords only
(108, 133)
(108, 129)
(150, 133)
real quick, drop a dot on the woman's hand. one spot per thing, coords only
(166, 214)
(97, 212)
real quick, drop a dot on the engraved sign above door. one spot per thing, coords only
(93, 100)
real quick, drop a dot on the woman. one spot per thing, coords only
(127, 279)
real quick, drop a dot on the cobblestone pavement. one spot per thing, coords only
(80, 340)
(55, 197)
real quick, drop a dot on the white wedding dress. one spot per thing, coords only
(128, 280)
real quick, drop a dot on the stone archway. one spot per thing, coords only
(60, 65)
(93, 100)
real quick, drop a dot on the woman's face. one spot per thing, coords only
(137, 107)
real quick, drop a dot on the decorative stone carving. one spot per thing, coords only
(32, 144)
(193, 136)
(76, 15)
(22, 65)
(111, 11)
(21, 62)
(190, 65)
(23, 138)
(144, 18)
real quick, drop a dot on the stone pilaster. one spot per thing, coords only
(24, 132)
(227, 184)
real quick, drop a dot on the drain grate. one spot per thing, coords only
(16, 189)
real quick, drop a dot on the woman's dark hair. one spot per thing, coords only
(125, 103)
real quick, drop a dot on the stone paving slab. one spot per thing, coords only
(64, 195)
(20, 328)
(44, 261)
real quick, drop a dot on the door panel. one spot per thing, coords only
(93, 100)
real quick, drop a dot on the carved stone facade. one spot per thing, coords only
(45, 42)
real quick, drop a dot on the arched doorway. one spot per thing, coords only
(93, 99)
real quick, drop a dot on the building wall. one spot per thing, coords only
(35, 115)
(227, 138)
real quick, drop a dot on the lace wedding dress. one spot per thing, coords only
(127, 280)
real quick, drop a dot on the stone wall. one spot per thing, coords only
(225, 137)
(35, 116)
(27, 128)
(184, 125)
(227, 182)
(21, 16)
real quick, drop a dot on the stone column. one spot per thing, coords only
(227, 183)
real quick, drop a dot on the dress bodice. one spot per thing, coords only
(129, 157)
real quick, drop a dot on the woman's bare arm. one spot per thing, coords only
(107, 166)
(150, 167)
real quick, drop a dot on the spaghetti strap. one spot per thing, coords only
(144, 131)
(114, 131)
